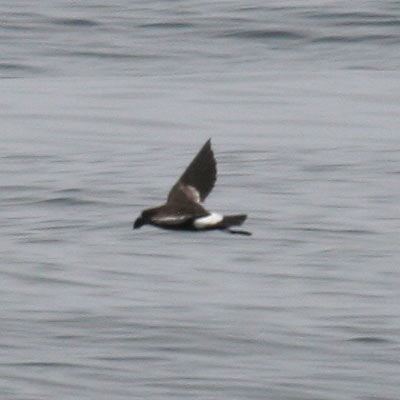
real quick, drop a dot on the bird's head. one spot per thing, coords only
(144, 218)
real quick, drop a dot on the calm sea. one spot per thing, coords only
(102, 106)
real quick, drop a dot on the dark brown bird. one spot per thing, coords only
(184, 208)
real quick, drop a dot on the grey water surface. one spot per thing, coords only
(102, 106)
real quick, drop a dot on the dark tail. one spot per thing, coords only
(234, 220)
(239, 232)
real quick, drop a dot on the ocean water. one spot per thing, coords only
(103, 104)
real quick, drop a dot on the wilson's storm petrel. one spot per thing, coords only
(184, 208)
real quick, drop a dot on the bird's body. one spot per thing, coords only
(184, 209)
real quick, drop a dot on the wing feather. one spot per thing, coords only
(200, 175)
(170, 220)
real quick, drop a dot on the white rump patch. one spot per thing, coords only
(208, 221)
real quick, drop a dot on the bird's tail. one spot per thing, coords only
(234, 220)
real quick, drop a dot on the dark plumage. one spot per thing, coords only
(184, 209)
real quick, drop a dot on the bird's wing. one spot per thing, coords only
(169, 215)
(183, 194)
(170, 220)
(198, 179)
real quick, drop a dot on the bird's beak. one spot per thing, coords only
(138, 223)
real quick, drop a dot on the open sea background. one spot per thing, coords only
(104, 103)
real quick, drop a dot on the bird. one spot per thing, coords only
(184, 209)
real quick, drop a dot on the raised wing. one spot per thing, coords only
(183, 194)
(198, 179)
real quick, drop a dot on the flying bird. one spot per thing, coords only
(184, 209)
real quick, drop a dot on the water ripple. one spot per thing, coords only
(267, 34)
